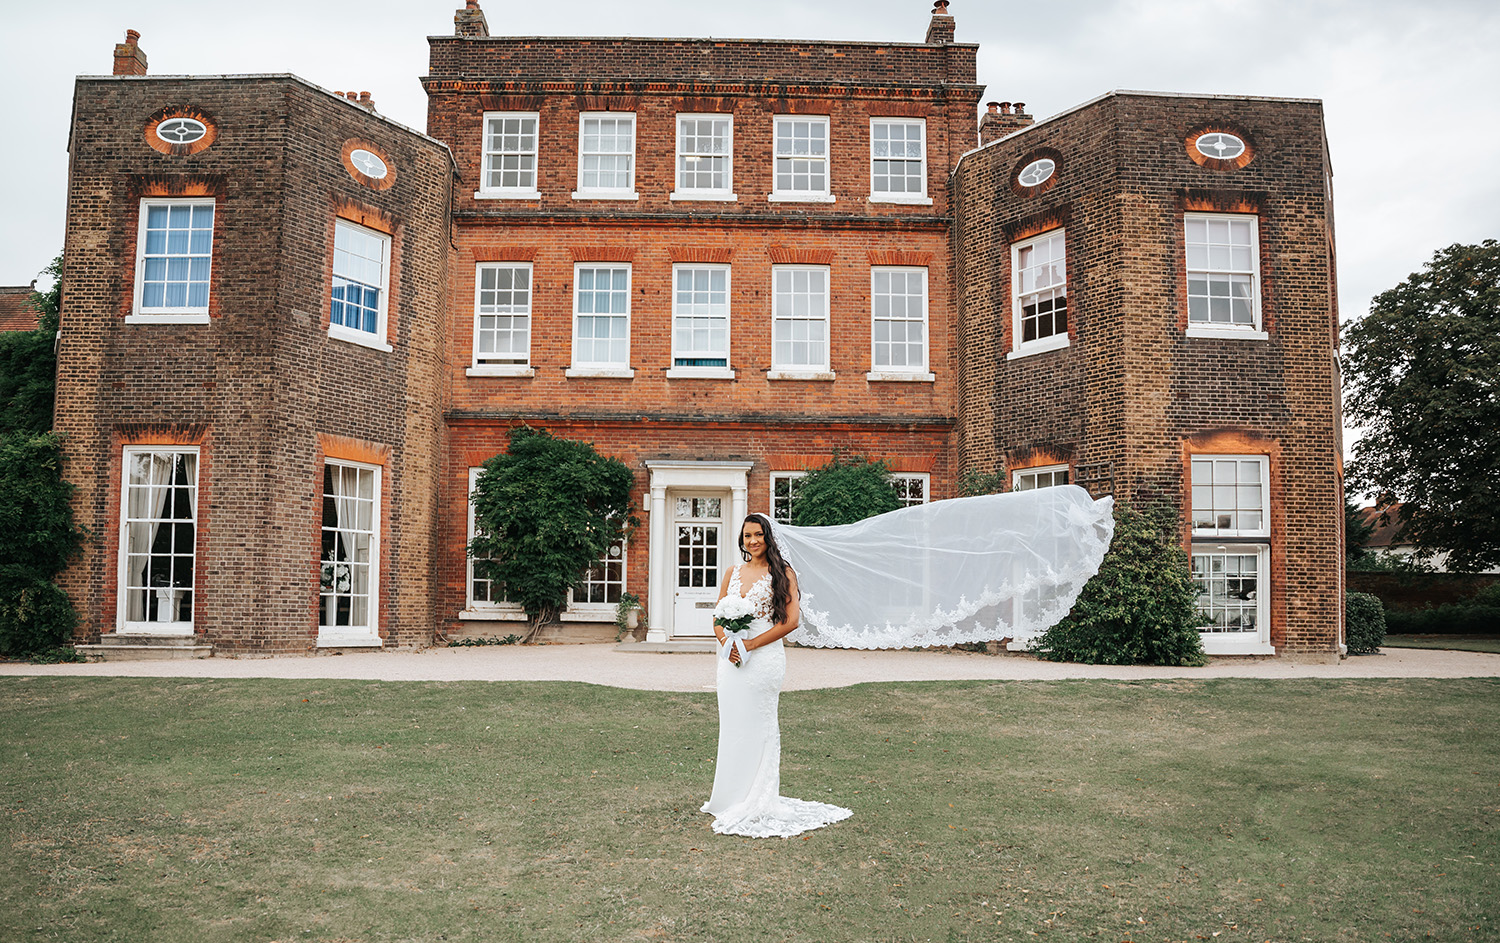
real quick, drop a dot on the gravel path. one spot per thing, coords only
(806, 668)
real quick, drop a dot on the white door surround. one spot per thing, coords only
(698, 477)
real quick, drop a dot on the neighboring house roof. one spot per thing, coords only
(16, 312)
(1385, 521)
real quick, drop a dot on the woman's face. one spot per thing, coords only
(753, 536)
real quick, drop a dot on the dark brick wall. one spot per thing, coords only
(257, 385)
(1133, 391)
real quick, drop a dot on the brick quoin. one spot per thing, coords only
(268, 396)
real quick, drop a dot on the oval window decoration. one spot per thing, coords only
(368, 163)
(1220, 145)
(1037, 172)
(181, 130)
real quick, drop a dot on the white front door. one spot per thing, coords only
(698, 532)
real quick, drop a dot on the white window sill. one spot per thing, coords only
(347, 639)
(1055, 342)
(912, 200)
(507, 194)
(492, 615)
(1227, 333)
(197, 318)
(707, 196)
(581, 614)
(618, 373)
(500, 370)
(341, 333)
(166, 629)
(801, 198)
(894, 376)
(799, 375)
(700, 373)
(605, 195)
(1217, 644)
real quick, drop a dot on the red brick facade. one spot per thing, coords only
(268, 390)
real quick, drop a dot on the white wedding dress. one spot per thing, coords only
(747, 796)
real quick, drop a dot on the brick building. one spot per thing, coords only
(293, 329)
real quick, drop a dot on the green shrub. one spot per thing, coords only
(1364, 623)
(848, 489)
(37, 539)
(545, 511)
(35, 614)
(1477, 615)
(1140, 608)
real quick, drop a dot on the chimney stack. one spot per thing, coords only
(940, 30)
(129, 59)
(470, 21)
(1001, 119)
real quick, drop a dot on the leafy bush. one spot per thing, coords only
(545, 510)
(848, 489)
(28, 365)
(37, 539)
(976, 483)
(1477, 615)
(1140, 608)
(1364, 623)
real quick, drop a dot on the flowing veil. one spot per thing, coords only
(964, 570)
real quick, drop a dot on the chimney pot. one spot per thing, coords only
(1005, 108)
(994, 107)
(129, 58)
(940, 8)
(1020, 108)
(132, 36)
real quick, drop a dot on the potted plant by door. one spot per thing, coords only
(627, 616)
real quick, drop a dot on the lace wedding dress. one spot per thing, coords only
(747, 798)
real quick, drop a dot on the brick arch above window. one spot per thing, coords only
(1215, 163)
(165, 146)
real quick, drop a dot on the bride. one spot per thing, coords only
(987, 568)
(747, 798)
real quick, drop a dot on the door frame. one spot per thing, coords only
(667, 475)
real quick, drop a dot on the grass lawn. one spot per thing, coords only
(1453, 643)
(1245, 810)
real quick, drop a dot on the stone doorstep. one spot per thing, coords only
(116, 647)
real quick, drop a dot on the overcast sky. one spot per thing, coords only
(1411, 91)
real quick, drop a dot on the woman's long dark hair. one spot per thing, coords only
(781, 586)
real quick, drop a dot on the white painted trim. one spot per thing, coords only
(911, 371)
(122, 578)
(502, 193)
(477, 369)
(1227, 333)
(820, 375)
(891, 376)
(167, 318)
(803, 196)
(350, 636)
(501, 370)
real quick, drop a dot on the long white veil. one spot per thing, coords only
(965, 570)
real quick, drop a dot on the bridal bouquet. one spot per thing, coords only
(735, 614)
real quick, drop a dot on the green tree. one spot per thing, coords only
(544, 511)
(1357, 533)
(37, 539)
(976, 483)
(1140, 609)
(28, 364)
(848, 489)
(1422, 382)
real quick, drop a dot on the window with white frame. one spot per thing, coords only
(1039, 280)
(801, 171)
(510, 151)
(349, 571)
(486, 593)
(158, 539)
(700, 318)
(601, 316)
(1043, 476)
(1223, 272)
(1231, 550)
(784, 488)
(361, 273)
(602, 583)
(799, 318)
(1229, 496)
(502, 316)
(911, 489)
(898, 312)
(705, 157)
(898, 159)
(606, 155)
(174, 254)
(1228, 580)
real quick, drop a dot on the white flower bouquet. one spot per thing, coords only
(734, 614)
